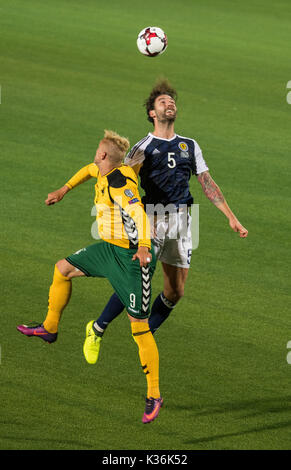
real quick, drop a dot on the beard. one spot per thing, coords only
(167, 117)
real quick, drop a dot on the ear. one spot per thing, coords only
(152, 113)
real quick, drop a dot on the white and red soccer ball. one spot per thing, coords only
(152, 41)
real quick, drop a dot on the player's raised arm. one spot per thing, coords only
(80, 177)
(214, 194)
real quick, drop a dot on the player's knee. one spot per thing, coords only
(174, 294)
(64, 267)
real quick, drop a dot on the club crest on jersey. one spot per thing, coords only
(184, 150)
(128, 193)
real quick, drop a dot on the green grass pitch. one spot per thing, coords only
(70, 69)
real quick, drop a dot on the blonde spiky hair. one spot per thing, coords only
(117, 146)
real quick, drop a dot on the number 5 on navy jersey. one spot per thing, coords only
(171, 160)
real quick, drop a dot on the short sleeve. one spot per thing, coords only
(199, 164)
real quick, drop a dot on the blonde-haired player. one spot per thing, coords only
(123, 255)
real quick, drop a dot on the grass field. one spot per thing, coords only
(70, 69)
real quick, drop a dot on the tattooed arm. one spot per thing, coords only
(214, 194)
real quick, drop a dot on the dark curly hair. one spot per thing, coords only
(162, 87)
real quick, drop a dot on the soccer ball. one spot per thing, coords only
(152, 41)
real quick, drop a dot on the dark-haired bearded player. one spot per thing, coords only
(165, 162)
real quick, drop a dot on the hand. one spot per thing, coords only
(237, 227)
(144, 256)
(57, 195)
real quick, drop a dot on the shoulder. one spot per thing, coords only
(198, 163)
(120, 176)
(138, 148)
(93, 169)
(197, 148)
(116, 179)
(129, 173)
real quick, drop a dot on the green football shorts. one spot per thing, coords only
(131, 283)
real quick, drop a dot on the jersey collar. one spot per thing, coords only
(161, 138)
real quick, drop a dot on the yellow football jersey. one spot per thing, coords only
(120, 216)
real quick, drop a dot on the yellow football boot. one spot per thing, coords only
(91, 345)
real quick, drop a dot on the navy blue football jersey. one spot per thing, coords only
(166, 166)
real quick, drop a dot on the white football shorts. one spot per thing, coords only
(172, 238)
